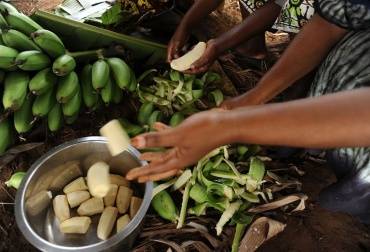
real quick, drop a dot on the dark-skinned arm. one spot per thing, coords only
(257, 23)
(198, 11)
(335, 120)
(305, 53)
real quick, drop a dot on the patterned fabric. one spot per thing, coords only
(348, 65)
(293, 16)
(349, 14)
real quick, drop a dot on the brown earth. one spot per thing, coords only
(314, 229)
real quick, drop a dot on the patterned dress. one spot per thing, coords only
(347, 67)
(293, 16)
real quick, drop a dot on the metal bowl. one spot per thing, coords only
(42, 230)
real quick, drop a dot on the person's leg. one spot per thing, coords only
(347, 67)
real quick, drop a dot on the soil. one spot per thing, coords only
(314, 229)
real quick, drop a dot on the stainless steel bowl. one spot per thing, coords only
(42, 231)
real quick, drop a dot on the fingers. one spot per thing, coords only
(173, 51)
(154, 168)
(158, 126)
(156, 177)
(163, 138)
(155, 156)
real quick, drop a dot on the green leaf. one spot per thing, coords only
(113, 15)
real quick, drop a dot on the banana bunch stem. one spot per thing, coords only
(87, 55)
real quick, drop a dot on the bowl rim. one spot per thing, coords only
(41, 243)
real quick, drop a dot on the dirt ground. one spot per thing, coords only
(314, 229)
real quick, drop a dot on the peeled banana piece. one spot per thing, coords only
(91, 206)
(110, 198)
(76, 185)
(119, 180)
(123, 199)
(122, 222)
(75, 225)
(106, 222)
(38, 202)
(61, 209)
(66, 173)
(98, 179)
(77, 197)
(135, 206)
(118, 139)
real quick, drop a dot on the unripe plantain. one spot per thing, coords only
(107, 92)
(55, 118)
(64, 65)
(32, 61)
(43, 104)
(22, 23)
(23, 117)
(15, 90)
(120, 71)
(5, 135)
(17, 40)
(7, 57)
(68, 87)
(49, 42)
(42, 82)
(100, 74)
(89, 95)
(73, 106)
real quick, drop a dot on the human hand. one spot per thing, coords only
(188, 143)
(208, 58)
(249, 98)
(176, 43)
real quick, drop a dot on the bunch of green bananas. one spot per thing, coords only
(39, 78)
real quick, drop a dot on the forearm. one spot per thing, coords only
(336, 120)
(305, 53)
(254, 24)
(199, 10)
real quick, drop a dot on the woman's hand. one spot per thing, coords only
(250, 98)
(188, 143)
(208, 58)
(176, 43)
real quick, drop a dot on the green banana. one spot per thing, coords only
(107, 92)
(89, 95)
(67, 88)
(176, 119)
(49, 42)
(15, 90)
(7, 8)
(120, 71)
(22, 23)
(117, 94)
(64, 65)
(156, 116)
(3, 22)
(2, 76)
(100, 74)
(175, 75)
(55, 118)
(5, 135)
(18, 40)
(164, 205)
(144, 112)
(133, 84)
(71, 119)
(32, 61)
(42, 82)
(23, 117)
(98, 105)
(43, 104)
(7, 57)
(73, 106)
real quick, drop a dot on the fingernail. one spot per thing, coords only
(142, 180)
(138, 142)
(129, 177)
